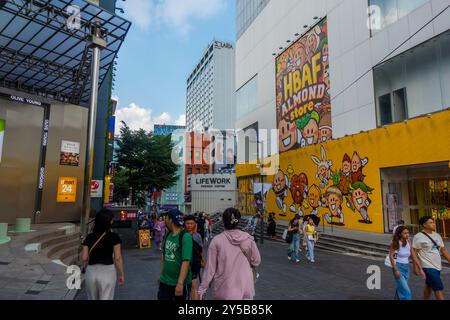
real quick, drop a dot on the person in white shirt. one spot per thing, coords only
(429, 248)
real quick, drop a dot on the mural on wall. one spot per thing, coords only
(303, 91)
(316, 188)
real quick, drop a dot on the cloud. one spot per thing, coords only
(178, 15)
(137, 117)
(181, 121)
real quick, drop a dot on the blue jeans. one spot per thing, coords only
(310, 253)
(294, 247)
(403, 291)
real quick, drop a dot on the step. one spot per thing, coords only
(54, 241)
(356, 241)
(55, 251)
(353, 244)
(45, 236)
(351, 249)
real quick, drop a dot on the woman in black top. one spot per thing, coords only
(102, 248)
(271, 229)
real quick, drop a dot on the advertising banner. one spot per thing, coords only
(67, 189)
(96, 188)
(144, 239)
(213, 182)
(70, 153)
(303, 91)
(2, 135)
(392, 204)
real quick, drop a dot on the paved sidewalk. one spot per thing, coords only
(29, 275)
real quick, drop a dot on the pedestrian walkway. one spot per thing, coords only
(31, 275)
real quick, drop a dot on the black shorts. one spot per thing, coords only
(167, 292)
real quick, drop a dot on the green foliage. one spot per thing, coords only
(147, 159)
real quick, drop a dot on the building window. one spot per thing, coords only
(414, 83)
(391, 11)
(247, 97)
(197, 171)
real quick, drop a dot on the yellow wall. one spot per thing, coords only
(417, 141)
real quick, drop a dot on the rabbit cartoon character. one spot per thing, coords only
(323, 168)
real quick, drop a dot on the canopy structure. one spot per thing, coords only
(45, 46)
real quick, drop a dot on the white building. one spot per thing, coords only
(210, 100)
(377, 76)
(385, 67)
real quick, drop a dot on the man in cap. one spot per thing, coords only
(176, 277)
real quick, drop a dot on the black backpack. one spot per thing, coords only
(196, 262)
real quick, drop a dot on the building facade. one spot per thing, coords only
(357, 93)
(173, 198)
(210, 89)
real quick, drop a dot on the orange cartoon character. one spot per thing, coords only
(334, 199)
(299, 189)
(313, 199)
(280, 186)
(360, 200)
(357, 166)
(287, 135)
(324, 171)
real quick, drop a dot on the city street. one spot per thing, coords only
(333, 277)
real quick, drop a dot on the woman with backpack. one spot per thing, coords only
(400, 251)
(102, 249)
(232, 259)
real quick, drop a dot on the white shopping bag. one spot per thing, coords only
(284, 234)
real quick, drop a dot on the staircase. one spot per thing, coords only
(59, 245)
(326, 242)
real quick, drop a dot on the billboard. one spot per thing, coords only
(303, 91)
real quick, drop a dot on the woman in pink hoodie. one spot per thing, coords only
(231, 256)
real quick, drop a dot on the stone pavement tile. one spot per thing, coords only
(38, 287)
(9, 294)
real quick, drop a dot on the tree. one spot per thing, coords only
(147, 159)
(121, 185)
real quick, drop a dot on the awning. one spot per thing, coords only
(43, 52)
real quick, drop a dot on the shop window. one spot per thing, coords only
(392, 107)
(415, 191)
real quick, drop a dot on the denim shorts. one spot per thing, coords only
(433, 279)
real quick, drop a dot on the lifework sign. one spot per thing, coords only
(67, 189)
(303, 91)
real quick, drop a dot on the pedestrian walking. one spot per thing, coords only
(160, 231)
(429, 248)
(206, 219)
(197, 262)
(401, 250)
(272, 226)
(201, 225)
(231, 262)
(252, 224)
(102, 250)
(294, 230)
(311, 238)
(176, 277)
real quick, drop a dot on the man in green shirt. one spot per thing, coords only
(176, 278)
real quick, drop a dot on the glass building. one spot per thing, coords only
(246, 13)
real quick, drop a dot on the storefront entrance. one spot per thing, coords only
(416, 191)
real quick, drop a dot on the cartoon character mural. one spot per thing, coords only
(313, 200)
(299, 189)
(357, 166)
(324, 172)
(309, 128)
(360, 200)
(303, 90)
(280, 186)
(333, 197)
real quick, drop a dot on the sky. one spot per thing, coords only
(164, 44)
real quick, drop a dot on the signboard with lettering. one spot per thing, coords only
(96, 188)
(67, 189)
(213, 182)
(70, 153)
(144, 239)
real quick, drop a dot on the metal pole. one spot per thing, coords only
(97, 43)
(262, 191)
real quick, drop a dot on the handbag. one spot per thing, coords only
(289, 237)
(284, 234)
(387, 260)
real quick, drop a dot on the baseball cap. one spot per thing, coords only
(177, 216)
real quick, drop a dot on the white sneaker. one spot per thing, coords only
(312, 261)
(289, 258)
(297, 261)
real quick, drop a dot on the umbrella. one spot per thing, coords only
(315, 218)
